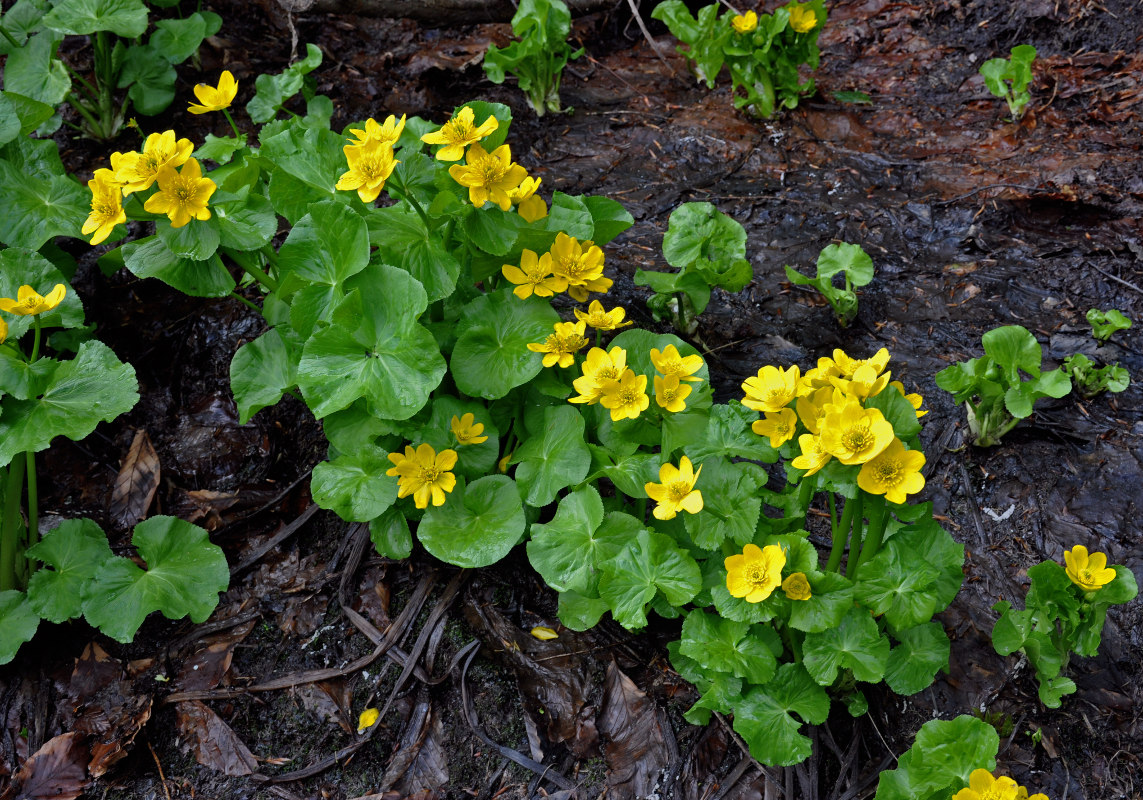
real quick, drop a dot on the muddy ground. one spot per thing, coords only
(972, 221)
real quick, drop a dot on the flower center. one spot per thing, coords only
(678, 490)
(888, 472)
(857, 438)
(669, 395)
(628, 395)
(608, 373)
(430, 475)
(490, 169)
(460, 132)
(755, 574)
(185, 193)
(371, 169)
(573, 267)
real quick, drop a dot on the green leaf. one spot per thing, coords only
(847, 258)
(570, 215)
(728, 434)
(925, 541)
(730, 505)
(39, 209)
(831, 596)
(355, 427)
(763, 717)
(151, 79)
(32, 113)
(184, 576)
(1011, 629)
(74, 551)
(579, 612)
(492, 230)
(632, 473)
(195, 241)
(18, 267)
(307, 164)
(179, 39)
(354, 485)
(852, 97)
(34, 71)
(21, 379)
(325, 247)
(21, 20)
(126, 18)
(646, 565)
(898, 411)
(94, 387)
(220, 149)
(491, 356)
(273, 91)
(246, 224)
(941, 759)
(700, 231)
(1013, 349)
(914, 663)
(478, 524)
(150, 258)
(720, 645)
(897, 585)
(608, 217)
(566, 550)
(402, 241)
(855, 644)
(18, 623)
(1122, 589)
(390, 535)
(553, 460)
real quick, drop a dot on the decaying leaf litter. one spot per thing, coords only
(972, 221)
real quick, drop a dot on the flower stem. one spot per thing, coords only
(233, 127)
(244, 301)
(11, 528)
(33, 499)
(841, 535)
(404, 194)
(35, 340)
(878, 517)
(9, 37)
(855, 535)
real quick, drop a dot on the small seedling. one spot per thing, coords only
(538, 59)
(1105, 323)
(850, 261)
(1008, 78)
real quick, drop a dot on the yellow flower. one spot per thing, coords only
(820, 375)
(534, 276)
(529, 205)
(864, 384)
(675, 490)
(802, 19)
(915, 400)
(388, 133)
(671, 364)
(106, 206)
(458, 133)
(502, 464)
(895, 473)
(370, 165)
(215, 98)
(581, 265)
(772, 389)
(137, 171)
(846, 366)
(779, 426)
(670, 394)
(1089, 572)
(853, 434)
(182, 195)
(489, 177)
(602, 320)
(467, 430)
(626, 398)
(560, 347)
(755, 573)
(797, 586)
(423, 474)
(29, 302)
(601, 369)
(744, 23)
(367, 720)
(813, 408)
(982, 786)
(813, 457)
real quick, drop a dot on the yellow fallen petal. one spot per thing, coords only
(367, 720)
(544, 634)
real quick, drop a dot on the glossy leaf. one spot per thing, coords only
(150, 258)
(554, 459)
(855, 644)
(478, 524)
(74, 551)
(914, 662)
(18, 623)
(650, 563)
(354, 485)
(764, 716)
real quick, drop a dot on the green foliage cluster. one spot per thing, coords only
(1104, 324)
(1008, 78)
(538, 58)
(1086, 377)
(943, 756)
(853, 264)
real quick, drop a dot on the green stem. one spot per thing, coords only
(243, 300)
(35, 340)
(643, 510)
(403, 194)
(841, 535)
(12, 527)
(296, 396)
(9, 37)
(233, 127)
(598, 338)
(246, 261)
(878, 517)
(855, 535)
(91, 90)
(832, 513)
(33, 499)
(82, 110)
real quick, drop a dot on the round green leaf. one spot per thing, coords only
(74, 551)
(19, 267)
(855, 644)
(150, 258)
(326, 246)
(763, 717)
(18, 623)
(564, 551)
(195, 241)
(477, 525)
(37, 209)
(914, 662)
(390, 535)
(354, 485)
(553, 460)
(126, 18)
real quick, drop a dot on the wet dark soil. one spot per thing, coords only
(972, 221)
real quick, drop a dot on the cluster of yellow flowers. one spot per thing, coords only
(370, 157)
(983, 786)
(829, 401)
(426, 474)
(572, 266)
(28, 303)
(1087, 571)
(608, 380)
(802, 20)
(756, 572)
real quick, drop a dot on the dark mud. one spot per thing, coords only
(973, 222)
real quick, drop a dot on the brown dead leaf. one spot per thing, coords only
(329, 701)
(210, 663)
(56, 771)
(419, 767)
(203, 504)
(213, 742)
(109, 708)
(634, 745)
(136, 483)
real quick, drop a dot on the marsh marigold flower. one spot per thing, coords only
(846, 365)
(671, 364)
(106, 206)
(755, 573)
(812, 408)
(778, 426)
(797, 586)
(561, 346)
(602, 320)
(458, 133)
(467, 430)
(137, 171)
(215, 98)
(854, 435)
(534, 276)
(489, 177)
(802, 18)
(29, 302)
(982, 786)
(670, 394)
(675, 490)
(183, 195)
(1089, 572)
(370, 165)
(744, 23)
(529, 205)
(387, 133)
(895, 473)
(864, 383)
(813, 457)
(580, 264)
(626, 398)
(424, 474)
(772, 389)
(601, 368)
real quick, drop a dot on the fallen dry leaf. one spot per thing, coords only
(56, 771)
(634, 745)
(136, 483)
(213, 742)
(109, 707)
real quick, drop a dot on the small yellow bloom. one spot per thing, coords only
(854, 435)
(367, 720)
(813, 457)
(895, 473)
(370, 165)
(424, 474)
(813, 407)
(502, 464)
(780, 426)
(581, 265)
(802, 18)
(626, 398)
(601, 369)
(982, 786)
(215, 98)
(602, 320)
(820, 375)
(864, 384)
(755, 573)
(467, 430)
(915, 400)
(106, 206)
(138, 171)
(671, 364)
(772, 389)
(744, 23)
(675, 490)
(489, 177)
(534, 276)
(387, 133)
(846, 366)
(670, 394)
(529, 205)
(1089, 572)
(183, 195)
(544, 633)
(29, 302)
(458, 133)
(797, 586)
(562, 345)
